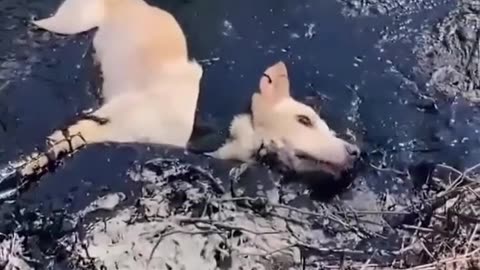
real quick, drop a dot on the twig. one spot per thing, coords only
(426, 250)
(238, 228)
(270, 253)
(388, 170)
(417, 228)
(326, 214)
(474, 232)
(474, 193)
(310, 213)
(226, 226)
(443, 261)
(473, 50)
(332, 251)
(365, 265)
(461, 175)
(162, 236)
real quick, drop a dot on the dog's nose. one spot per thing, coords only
(353, 150)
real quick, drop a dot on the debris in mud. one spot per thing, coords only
(12, 253)
(180, 223)
(445, 234)
(449, 55)
(356, 8)
(184, 220)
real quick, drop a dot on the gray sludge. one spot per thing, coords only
(390, 7)
(449, 54)
(187, 218)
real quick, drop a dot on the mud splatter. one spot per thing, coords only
(179, 223)
(12, 253)
(356, 8)
(449, 54)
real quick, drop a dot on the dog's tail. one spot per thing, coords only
(75, 16)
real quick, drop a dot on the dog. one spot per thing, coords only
(151, 90)
(300, 138)
(150, 86)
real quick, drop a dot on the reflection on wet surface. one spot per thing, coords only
(362, 71)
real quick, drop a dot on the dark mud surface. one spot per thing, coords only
(401, 77)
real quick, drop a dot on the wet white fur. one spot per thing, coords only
(274, 123)
(150, 86)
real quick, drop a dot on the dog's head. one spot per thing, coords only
(294, 127)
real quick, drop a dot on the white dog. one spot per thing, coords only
(293, 130)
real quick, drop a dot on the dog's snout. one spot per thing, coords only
(353, 150)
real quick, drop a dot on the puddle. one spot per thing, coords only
(390, 73)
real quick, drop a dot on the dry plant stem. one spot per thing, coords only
(474, 233)
(326, 214)
(268, 254)
(388, 170)
(164, 235)
(462, 175)
(310, 213)
(435, 265)
(417, 228)
(454, 224)
(220, 225)
(365, 265)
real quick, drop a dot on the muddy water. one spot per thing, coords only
(359, 62)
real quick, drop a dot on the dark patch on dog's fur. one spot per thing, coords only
(324, 186)
(206, 136)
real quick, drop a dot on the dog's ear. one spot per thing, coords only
(274, 84)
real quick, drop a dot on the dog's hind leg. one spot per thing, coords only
(88, 130)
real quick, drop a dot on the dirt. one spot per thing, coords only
(449, 53)
(399, 77)
(357, 8)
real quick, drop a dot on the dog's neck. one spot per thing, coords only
(247, 110)
(206, 136)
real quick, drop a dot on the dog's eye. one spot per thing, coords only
(304, 120)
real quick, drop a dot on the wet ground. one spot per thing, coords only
(381, 71)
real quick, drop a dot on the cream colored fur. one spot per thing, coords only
(276, 122)
(150, 86)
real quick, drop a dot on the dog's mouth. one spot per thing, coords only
(310, 163)
(299, 161)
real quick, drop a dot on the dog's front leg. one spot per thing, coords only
(234, 150)
(243, 142)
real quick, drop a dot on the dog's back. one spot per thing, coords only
(135, 42)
